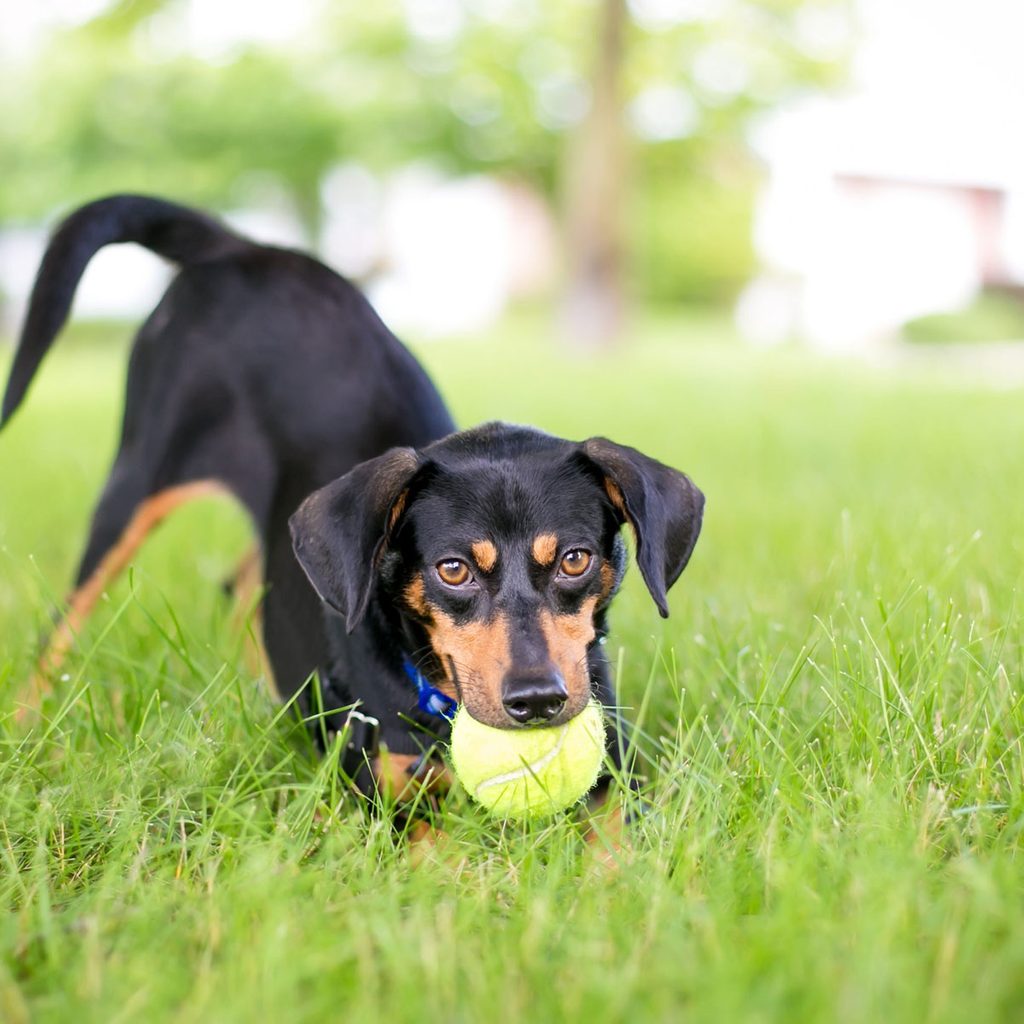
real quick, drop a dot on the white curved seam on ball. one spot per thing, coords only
(534, 769)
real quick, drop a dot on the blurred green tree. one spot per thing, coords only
(629, 117)
(97, 114)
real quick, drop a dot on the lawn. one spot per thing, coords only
(832, 716)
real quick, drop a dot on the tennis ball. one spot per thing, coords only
(526, 773)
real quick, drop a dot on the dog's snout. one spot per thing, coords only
(533, 698)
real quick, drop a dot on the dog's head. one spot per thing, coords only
(501, 548)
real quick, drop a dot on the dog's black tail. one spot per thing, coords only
(174, 232)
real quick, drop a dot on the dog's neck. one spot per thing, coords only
(431, 700)
(424, 671)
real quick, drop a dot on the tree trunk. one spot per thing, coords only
(310, 211)
(594, 305)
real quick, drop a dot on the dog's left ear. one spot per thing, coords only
(662, 505)
(339, 531)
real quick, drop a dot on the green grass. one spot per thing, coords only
(993, 316)
(833, 713)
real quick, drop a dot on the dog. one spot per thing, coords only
(408, 567)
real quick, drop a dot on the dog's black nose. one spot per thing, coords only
(533, 698)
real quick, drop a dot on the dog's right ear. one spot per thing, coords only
(339, 531)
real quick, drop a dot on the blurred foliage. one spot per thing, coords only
(692, 237)
(122, 103)
(993, 316)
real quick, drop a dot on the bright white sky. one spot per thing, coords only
(937, 94)
(953, 48)
(209, 28)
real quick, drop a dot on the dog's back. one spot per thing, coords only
(261, 372)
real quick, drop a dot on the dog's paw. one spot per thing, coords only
(405, 778)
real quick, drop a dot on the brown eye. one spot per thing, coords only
(575, 562)
(453, 571)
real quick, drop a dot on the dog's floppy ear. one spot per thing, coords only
(662, 505)
(339, 531)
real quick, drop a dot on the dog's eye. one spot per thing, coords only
(575, 562)
(453, 571)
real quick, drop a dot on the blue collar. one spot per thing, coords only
(431, 700)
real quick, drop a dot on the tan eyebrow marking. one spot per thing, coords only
(397, 509)
(415, 597)
(615, 496)
(545, 545)
(485, 553)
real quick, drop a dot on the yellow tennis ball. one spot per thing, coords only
(526, 773)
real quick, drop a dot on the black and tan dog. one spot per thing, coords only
(409, 565)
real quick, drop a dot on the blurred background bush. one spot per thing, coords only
(823, 170)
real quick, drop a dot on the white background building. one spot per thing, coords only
(904, 198)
